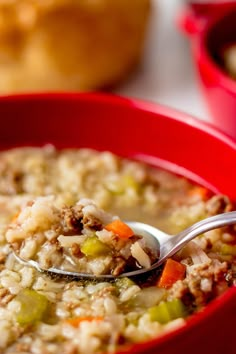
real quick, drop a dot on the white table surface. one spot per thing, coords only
(167, 73)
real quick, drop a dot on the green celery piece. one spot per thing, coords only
(228, 249)
(167, 311)
(33, 306)
(176, 309)
(115, 187)
(160, 313)
(130, 182)
(93, 247)
(119, 187)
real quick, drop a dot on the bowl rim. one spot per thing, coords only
(113, 99)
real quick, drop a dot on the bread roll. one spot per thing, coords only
(51, 45)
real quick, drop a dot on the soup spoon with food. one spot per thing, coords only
(164, 245)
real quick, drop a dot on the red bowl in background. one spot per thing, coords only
(151, 133)
(211, 26)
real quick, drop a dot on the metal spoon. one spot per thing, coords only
(166, 245)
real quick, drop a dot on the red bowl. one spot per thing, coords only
(151, 133)
(211, 26)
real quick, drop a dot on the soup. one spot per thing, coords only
(45, 314)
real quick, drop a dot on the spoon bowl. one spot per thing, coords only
(166, 245)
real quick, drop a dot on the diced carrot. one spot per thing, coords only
(76, 321)
(119, 228)
(172, 272)
(15, 217)
(202, 192)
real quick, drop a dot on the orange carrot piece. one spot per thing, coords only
(202, 192)
(76, 321)
(119, 228)
(172, 272)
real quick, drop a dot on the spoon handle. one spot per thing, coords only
(175, 243)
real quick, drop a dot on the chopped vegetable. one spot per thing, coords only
(75, 322)
(167, 311)
(130, 182)
(172, 272)
(149, 296)
(228, 249)
(115, 187)
(119, 186)
(33, 306)
(201, 192)
(140, 255)
(119, 228)
(15, 217)
(93, 247)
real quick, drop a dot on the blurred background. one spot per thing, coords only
(167, 74)
(67, 45)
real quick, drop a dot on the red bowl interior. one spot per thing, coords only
(148, 132)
